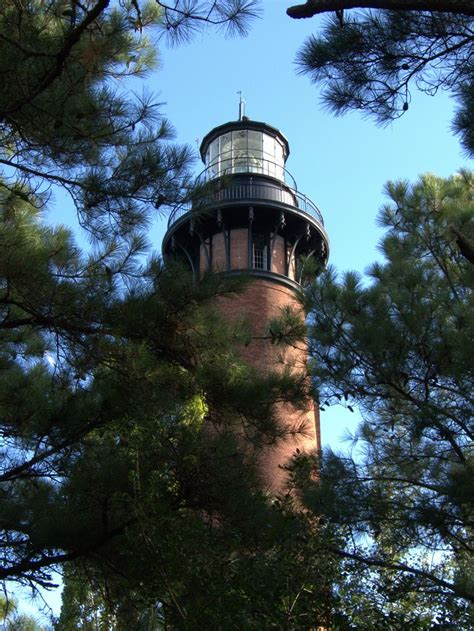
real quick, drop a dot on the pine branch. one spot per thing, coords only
(61, 57)
(316, 7)
(45, 175)
(28, 566)
(402, 567)
(25, 468)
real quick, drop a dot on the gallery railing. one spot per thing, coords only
(248, 190)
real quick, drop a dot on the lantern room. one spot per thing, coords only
(245, 147)
(251, 217)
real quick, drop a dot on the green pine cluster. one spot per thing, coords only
(398, 346)
(373, 60)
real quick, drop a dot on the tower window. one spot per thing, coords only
(259, 252)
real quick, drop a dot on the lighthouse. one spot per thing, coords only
(254, 221)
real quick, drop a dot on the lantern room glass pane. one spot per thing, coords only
(213, 157)
(240, 140)
(269, 154)
(255, 151)
(255, 141)
(279, 151)
(246, 151)
(279, 160)
(240, 146)
(225, 154)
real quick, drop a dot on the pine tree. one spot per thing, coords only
(370, 60)
(111, 364)
(398, 345)
(181, 19)
(66, 124)
(13, 621)
(104, 395)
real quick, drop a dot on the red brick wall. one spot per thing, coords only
(278, 256)
(239, 248)
(218, 253)
(292, 268)
(261, 301)
(239, 253)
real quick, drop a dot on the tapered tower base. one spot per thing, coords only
(261, 301)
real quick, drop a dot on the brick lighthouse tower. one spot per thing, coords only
(256, 222)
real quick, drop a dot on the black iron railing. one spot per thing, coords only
(250, 191)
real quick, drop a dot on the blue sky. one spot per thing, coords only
(340, 163)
